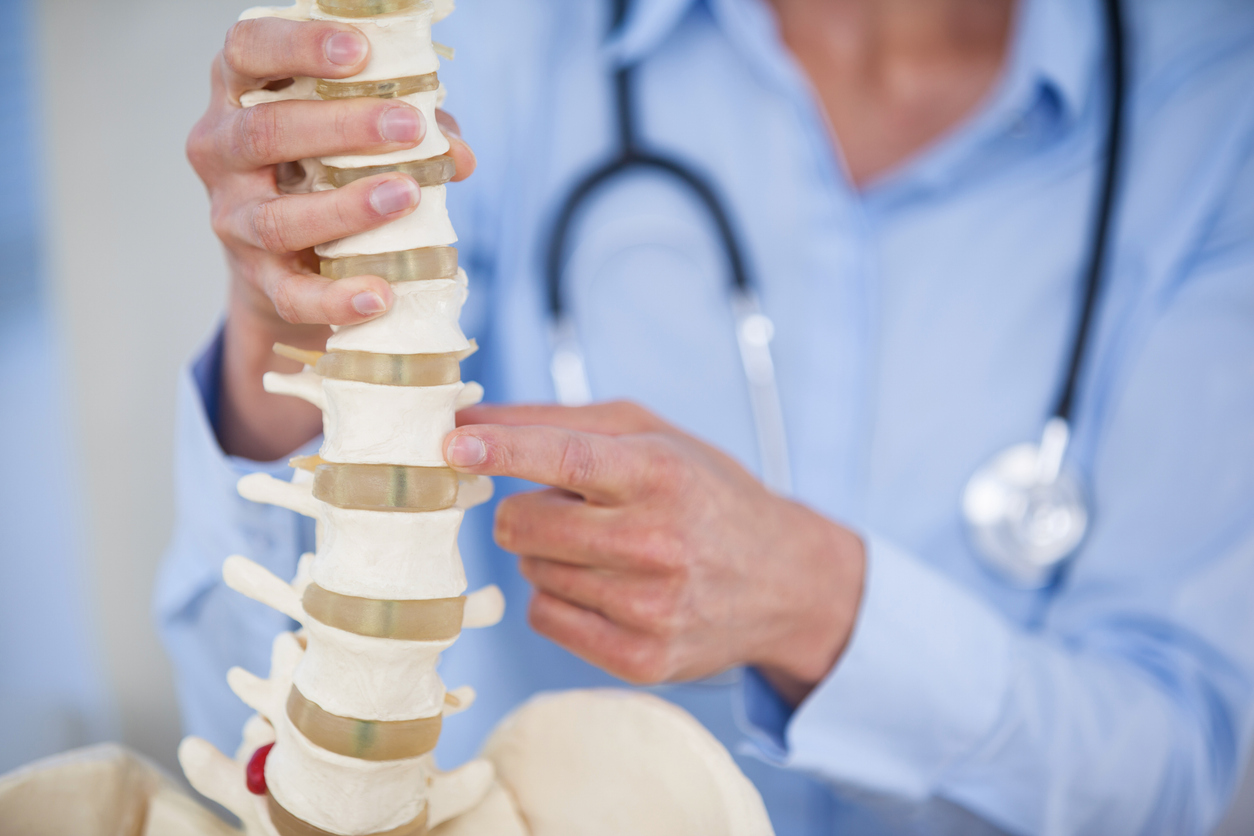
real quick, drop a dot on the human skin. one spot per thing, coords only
(658, 557)
(653, 555)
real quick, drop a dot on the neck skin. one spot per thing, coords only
(895, 75)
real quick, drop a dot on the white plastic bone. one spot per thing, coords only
(214, 775)
(453, 793)
(443, 8)
(251, 689)
(306, 385)
(364, 796)
(250, 579)
(472, 395)
(458, 700)
(264, 488)
(301, 89)
(474, 491)
(423, 319)
(484, 608)
(427, 226)
(400, 425)
(257, 733)
(391, 556)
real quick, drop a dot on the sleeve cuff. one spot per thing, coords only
(905, 700)
(764, 717)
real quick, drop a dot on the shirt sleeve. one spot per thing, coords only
(208, 628)
(1126, 707)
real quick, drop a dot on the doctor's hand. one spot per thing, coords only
(657, 557)
(248, 160)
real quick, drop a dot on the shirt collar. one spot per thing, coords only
(1058, 47)
(647, 25)
(1056, 44)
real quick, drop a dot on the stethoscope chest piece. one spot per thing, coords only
(1025, 514)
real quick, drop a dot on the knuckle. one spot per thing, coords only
(284, 303)
(634, 410)
(346, 125)
(197, 147)
(667, 469)
(235, 49)
(220, 221)
(662, 550)
(645, 661)
(268, 227)
(608, 540)
(654, 611)
(577, 462)
(632, 414)
(260, 134)
(347, 213)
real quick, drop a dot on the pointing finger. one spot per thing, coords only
(597, 467)
(612, 418)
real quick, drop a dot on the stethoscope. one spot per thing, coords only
(1025, 512)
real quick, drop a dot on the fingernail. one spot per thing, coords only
(467, 451)
(394, 196)
(401, 124)
(369, 303)
(345, 48)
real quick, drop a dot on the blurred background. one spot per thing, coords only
(111, 279)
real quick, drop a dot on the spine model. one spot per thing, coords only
(353, 706)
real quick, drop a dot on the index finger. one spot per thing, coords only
(270, 48)
(602, 469)
(609, 418)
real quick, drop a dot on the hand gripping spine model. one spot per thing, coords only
(350, 715)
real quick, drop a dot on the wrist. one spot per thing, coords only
(252, 423)
(819, 619)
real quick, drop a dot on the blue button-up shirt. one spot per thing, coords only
(922, 324)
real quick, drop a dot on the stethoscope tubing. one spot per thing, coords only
(754, 330)
(1095, 269)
